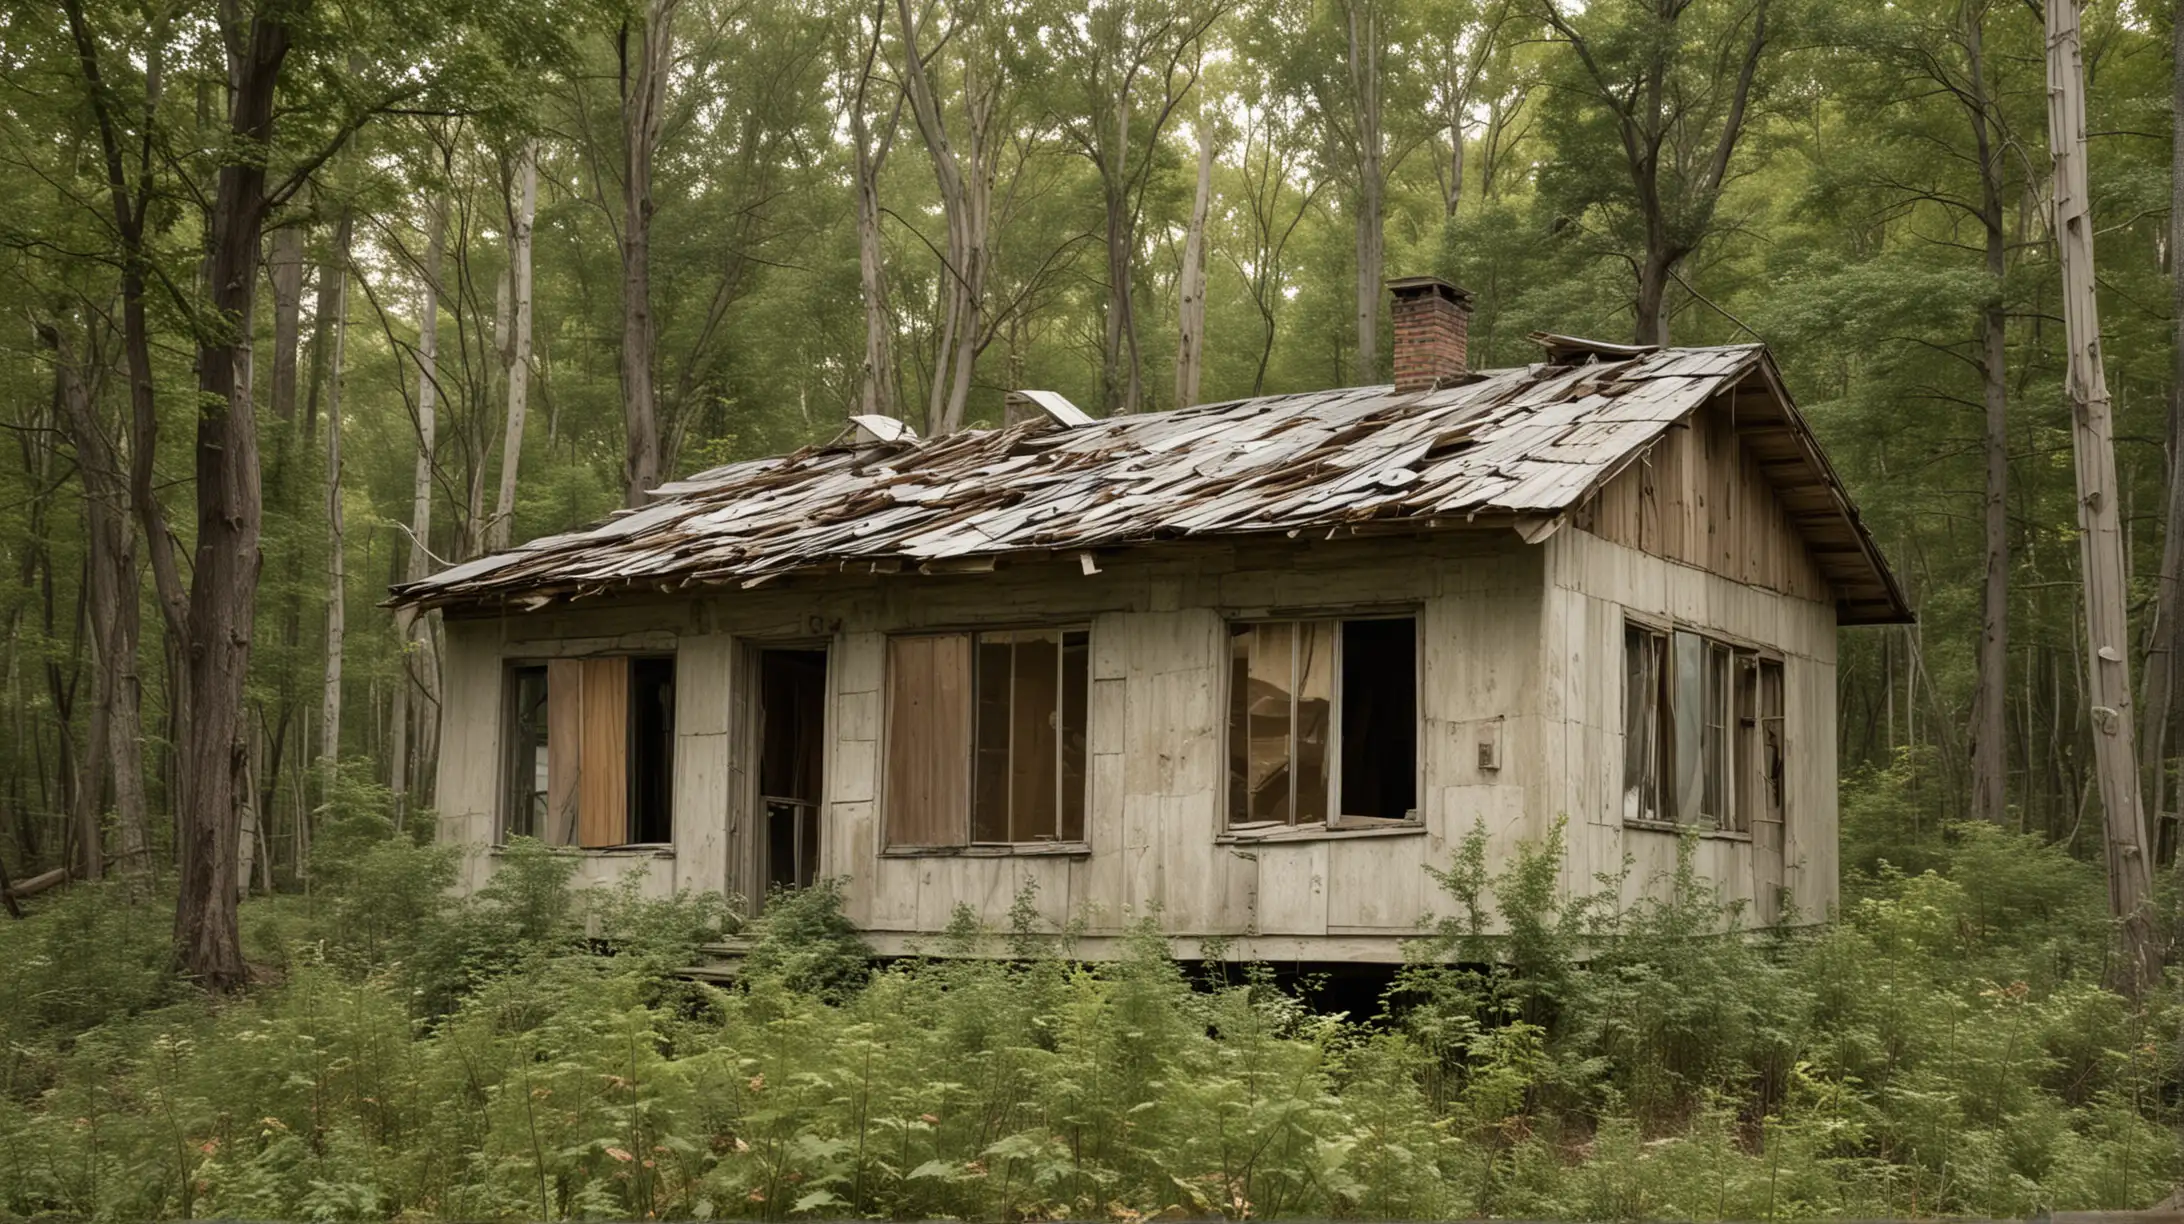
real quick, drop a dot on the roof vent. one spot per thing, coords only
(873, 428)
(1051, 404)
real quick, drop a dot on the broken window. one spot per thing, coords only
(987, 737)
(1323, 721)
(1645, 708)
(1695, 729)
(592, 751)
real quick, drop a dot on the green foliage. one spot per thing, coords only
(1632, 1053)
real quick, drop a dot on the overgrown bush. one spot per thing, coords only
(528, 1052)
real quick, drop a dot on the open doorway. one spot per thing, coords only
(792, 691)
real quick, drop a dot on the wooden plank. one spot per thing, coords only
(564, 749)
(928, 796)
(602, 785)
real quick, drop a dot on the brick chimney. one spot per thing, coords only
(1432, 323)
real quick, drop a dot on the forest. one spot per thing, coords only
(306, 299)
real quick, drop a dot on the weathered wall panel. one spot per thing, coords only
(1520, 650)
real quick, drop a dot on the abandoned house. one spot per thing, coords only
(1247, 666)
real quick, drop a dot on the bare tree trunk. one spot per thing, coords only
(516, 350)
(1363, 44)
(102, 514)
(286, 266)
(876, 380)
(2165, 629)
(1990, 765)
(1190, 356)
(337, 569)
(644, 99)
(215, 758)
(2108, 663)
(130, 205)
(966, 194)
(420, 666)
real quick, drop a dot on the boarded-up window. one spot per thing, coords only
(1694, 717)
(987, 737)
(1287, 682)
(592, 749)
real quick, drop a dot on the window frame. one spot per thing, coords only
(513, 669)
(963, 825)
(1336, 822)
(1728, 659)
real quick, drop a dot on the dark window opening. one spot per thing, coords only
(791, 763)
(1379, 718)
(651, 751)
(1290, 760)
(528, 772)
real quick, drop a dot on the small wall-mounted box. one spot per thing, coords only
(1490, 735)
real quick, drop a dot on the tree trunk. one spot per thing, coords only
(516, 353)
(286, 267)
(1652, 304)
(1190, 355)
(337, 569)
(2108, 663)
(102, 514)
(213, 765)
(420, 666)
(1455, 197)
(1990, 777)
(113, 749)
(966, 194)
(875, 381)
(1363, 29)
(2165, 631)
(644, 99)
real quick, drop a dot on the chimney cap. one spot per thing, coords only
(1408, 287)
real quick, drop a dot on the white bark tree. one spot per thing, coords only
(2100, 539)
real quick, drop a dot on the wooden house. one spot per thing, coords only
(1247, 666)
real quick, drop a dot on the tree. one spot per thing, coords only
(335, 298)
(1641, 78)
(965, 163)
(869, 147)
(645, 69)
(1190, 356)
(2100, 524)
(516, 347)
(1122, 71)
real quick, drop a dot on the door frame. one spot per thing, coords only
(749, 866)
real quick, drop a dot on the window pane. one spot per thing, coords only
(528, 759)
(1259, 720)
(1315, 717)
(1744, 739)
(1034, 746)
(1716, 745)
(1641, 724)
(1076, 719)
(1687, 693)
(990, 770)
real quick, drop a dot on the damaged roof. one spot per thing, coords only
(1516, 447)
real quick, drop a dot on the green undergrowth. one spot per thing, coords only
(1944, 1048)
